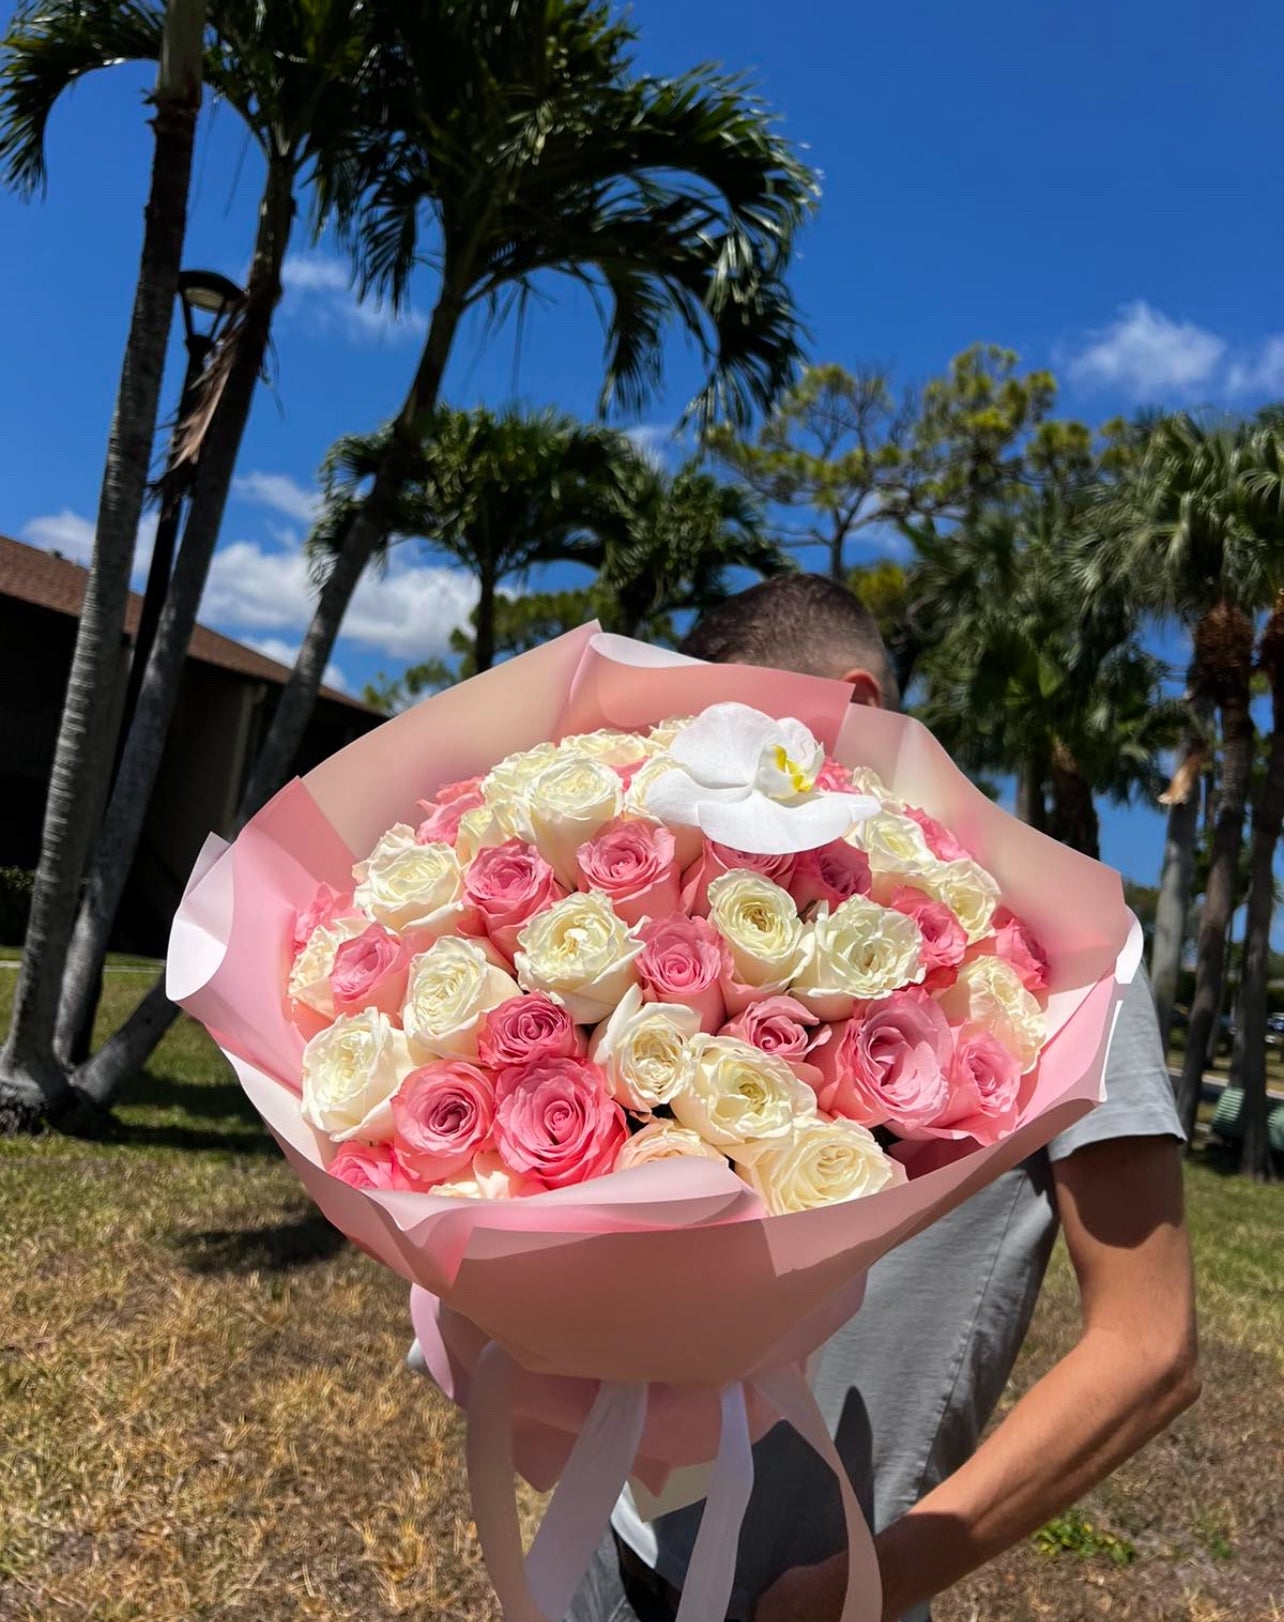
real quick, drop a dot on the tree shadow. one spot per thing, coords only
(198, 1116)
(299, 1239)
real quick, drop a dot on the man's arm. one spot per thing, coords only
(1131, 1372)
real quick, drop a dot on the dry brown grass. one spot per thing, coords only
(204, 1412)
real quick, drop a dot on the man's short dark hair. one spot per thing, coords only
(802, 622)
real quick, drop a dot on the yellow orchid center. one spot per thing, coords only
(802, 780)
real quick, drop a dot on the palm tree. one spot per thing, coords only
(60, 42)
(1019, 678)
(1187, 533)
(496, 493)
(296, 75)
(522, 137)
(673, 541)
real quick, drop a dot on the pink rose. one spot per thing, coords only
(683, 960)
(632, 864)
(779, 1025)
(834, 777)
(944, 939)
(370, 1165)
(326, 905)
(626, 774)
(441, 825)
(940, 841)
(719, 859)
(526, 1028)
(834, 873)
(443, 1114)
(370, 972)
(888, 1063)
(985, 1089)
(451, 793)
(508, 884)
(1014, 943)
(556, 1123)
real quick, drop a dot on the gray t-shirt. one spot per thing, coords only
(908, 1385)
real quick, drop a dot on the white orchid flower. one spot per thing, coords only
(748, 780)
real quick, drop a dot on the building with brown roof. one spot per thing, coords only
(224, 705)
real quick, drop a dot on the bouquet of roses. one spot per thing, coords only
(632, 1043)
(558, 975)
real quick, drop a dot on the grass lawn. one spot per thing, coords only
(204, 1410)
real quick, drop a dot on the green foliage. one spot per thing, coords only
(16, 884)
(1072, 1534)
(520, 141)
(850, 453)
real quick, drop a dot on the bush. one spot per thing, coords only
(15, 904)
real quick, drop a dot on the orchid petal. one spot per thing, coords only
(723, 745)
(676, 798)
(766, 828)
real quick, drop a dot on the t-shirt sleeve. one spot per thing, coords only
(1139, 1093)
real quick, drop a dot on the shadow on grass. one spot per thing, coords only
(162, 1111)
(298, 1240)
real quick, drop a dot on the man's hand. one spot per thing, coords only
(806, 1594)
(1131, 1373)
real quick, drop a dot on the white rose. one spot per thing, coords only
(490, 1179)
(642, 1050)
(760, 923)
(479, 829)
(894, 844)
(610, 747)
(310, 975)
(664, 732)
(451, 986)
(580, 952)
(566, 804)
(405, 885)
(823, 1163)
(989, 993)
(504, 787)
(688, 841)
(865, 780)
(665, 1140)
(738, 1097)
(967, 890)
(350, 1072)
(859, 951)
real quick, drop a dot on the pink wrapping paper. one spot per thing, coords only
(668, 1278)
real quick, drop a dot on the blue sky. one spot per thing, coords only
(1092, 185)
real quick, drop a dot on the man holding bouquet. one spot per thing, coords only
(909, 1384)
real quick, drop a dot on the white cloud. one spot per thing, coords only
(1261, 374)
(72, 536)
(285, 653)
(319, 289)
(654, 440)
(280, 493)
(1146, 353)
(407, 612)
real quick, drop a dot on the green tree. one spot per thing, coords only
(49, 45)
(522, 143)
(296, 74)
(1188, 533)
(1018, 678)
(844, 453)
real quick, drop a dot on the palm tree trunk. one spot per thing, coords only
(1031, 805)
(1074, 814)
(369, 526)
(235, 375)
(1268, 812)
(32, 1082)
(128, 1048)
(1175, 878)
(1224, 649)
(484, 621)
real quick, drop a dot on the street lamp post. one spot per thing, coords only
(207, 301)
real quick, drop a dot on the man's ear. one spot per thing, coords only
(866, 687)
